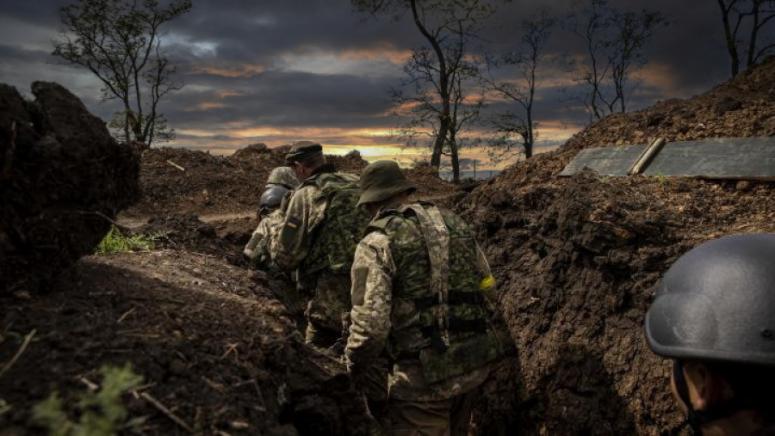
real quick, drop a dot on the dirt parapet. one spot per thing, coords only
(63, 179)
(180, 181)
(578, 260)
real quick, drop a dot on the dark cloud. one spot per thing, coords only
(318, 64)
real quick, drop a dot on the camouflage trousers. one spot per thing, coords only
(451, 417)
(328, 311)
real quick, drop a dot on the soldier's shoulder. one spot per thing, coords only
(375, 239)
(307, 191)
(348, 176)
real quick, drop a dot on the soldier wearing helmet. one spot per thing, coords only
(423, 299)
(714, 316)
(317, 236)
(279, 184)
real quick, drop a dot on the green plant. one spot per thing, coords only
(117, 242)
(101, 412)
(661, 179)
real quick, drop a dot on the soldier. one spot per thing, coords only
(713, 315)
(279, 184)
(320, 229)
(423, 297)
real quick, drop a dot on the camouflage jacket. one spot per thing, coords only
(317, 237)
(305, 211)
(257, 249)
(321, 225)
(378, 313)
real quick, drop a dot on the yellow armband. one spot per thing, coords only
(487, 283)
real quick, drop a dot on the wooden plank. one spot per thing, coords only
(717, 158)
(648, 155)
(606, 161)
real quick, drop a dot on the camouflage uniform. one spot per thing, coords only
(257, 249)
(317, 236)
(411, 260)
(280, 183)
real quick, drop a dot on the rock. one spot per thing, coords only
(743, 185)
(727, 104)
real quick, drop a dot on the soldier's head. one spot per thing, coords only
(305, 157)
(384, 184)
(713, 315)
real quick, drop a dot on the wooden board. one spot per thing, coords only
(606, 161)
(717, 158)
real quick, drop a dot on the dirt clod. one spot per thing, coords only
(63, 180)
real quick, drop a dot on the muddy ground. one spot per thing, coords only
(214, 345)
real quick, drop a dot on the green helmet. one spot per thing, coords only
(381, 180)
(283, 176)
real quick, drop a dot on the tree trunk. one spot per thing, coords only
(754, 33)
(438, 144)
(455, 158)
(730, 39)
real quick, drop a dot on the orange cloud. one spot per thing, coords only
(383, 51)
(660, 76)
(228, 93)
(206, 106)
(235, 71)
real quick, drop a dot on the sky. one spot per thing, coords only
(277, 71)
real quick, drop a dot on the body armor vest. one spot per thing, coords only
(335, 238)
(439, 314)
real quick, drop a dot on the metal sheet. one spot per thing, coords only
(606, 161)
(717, 158)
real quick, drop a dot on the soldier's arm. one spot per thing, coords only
(372, 275)
(290, 244)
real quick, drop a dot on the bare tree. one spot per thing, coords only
(521, 90)
(420, 106)
(753, 16)
(435, 72)
(614, 43)
(118, 41)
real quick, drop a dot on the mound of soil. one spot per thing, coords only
(62, 180)
(210, 184)
(578, 260)
(224, 239)
(741, 107)
(207, 183)
(214, 347)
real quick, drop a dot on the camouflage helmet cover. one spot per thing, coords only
(283, 176)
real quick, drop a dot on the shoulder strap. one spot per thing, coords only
(436, 235)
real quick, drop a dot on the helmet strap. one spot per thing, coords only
(696, 419)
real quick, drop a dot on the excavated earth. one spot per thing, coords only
(578, 260)
(214, 345)
(63, 178)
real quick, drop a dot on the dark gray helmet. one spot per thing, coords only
(717, 302)
(272, 197)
